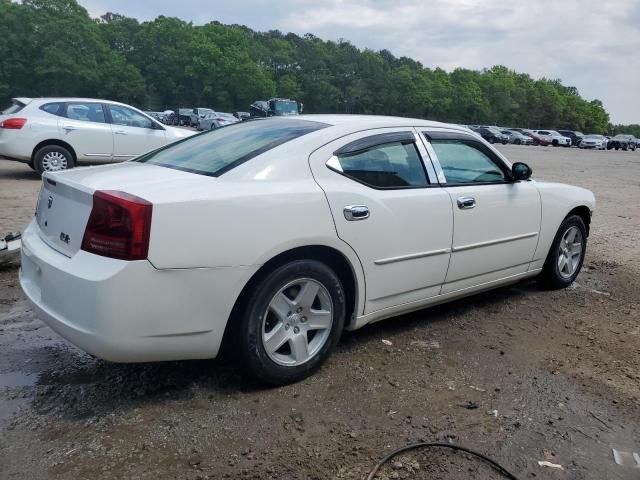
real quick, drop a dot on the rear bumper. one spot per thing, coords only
(12, 148)
(129, 311)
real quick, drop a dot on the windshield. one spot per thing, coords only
(594, 137)
(623, 137)
(286, 107)
(15, 107)
(218, 151)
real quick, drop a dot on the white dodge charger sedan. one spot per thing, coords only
(52, 134)
(277, 234)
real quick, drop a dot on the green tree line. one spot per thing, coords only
(54, 48)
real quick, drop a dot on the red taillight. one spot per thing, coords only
(119, 226)
(13, 123)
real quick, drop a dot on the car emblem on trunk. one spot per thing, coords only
(50, 202)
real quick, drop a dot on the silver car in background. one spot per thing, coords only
(597, 142)
(216, 120)
(518, 138)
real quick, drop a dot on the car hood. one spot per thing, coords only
(175, 132)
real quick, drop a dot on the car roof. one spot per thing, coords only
(374, 121)
(69, 99)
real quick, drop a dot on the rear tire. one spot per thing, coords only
(566, 254)
(52, 158)
(292, 321)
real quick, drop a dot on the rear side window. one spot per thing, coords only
(392, 165)
(218, 151)
(15, 107)
(85, 112)
(54, 108)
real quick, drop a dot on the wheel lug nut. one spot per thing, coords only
(288, 314)
(299, 309)
(296, 330)
(303, 319)
(286, 326)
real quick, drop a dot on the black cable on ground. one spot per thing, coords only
(414, 446)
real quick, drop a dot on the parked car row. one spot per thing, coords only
(556, 138)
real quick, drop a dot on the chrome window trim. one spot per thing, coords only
(439, 175)
(432, 178)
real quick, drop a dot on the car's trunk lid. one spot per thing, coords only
(66, 198)
(62, 214)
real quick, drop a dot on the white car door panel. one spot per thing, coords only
(496, 221)
(84, 127)
(133, 133)
(401, 235)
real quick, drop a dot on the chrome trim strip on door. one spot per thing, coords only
(412, 256)
(97, 154)
(471, 246)
(124, 156)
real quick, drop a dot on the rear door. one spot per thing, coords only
(388, 207)
(133, 132)
(496, 222)
(84, 126)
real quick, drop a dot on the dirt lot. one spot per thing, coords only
(561, 369)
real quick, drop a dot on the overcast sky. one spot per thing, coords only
(593, 45)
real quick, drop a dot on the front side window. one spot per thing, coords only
(85, 112)
(392, 165)
(219, 150)
(463, 163)
(129, 118)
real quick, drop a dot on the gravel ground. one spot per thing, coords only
(554, 375)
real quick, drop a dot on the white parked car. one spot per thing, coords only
(554, 138)
(53, 134)
(597, 142)
(277, 234)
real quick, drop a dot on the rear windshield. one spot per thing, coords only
(218, 151)
(15, 107)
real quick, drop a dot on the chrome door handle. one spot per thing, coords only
(466, 203)
(120, 132)
(69, 128)
(356, 212)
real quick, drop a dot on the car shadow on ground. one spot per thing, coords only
(77, 386)
(23, 174)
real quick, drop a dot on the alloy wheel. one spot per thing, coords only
(569, 252)
(297, 322)
(54, 161)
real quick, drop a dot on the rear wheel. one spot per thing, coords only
(292, 322)
(52, 158)
(555, 143)
(566, 255)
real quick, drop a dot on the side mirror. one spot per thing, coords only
(521, 171)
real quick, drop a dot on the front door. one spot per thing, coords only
(386, 206)
(133, 133)
(496, 221)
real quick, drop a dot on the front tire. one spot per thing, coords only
(566, 255)
(52, 158)
(291, 323)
